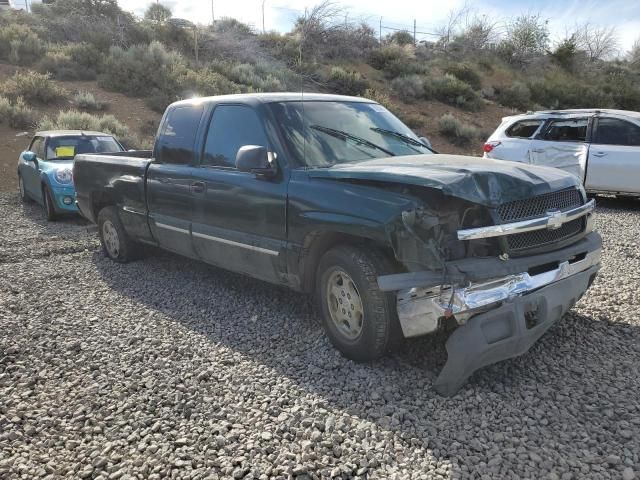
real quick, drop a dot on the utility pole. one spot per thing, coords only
(414, 32)
(195, 37)
(263, 30)
(213, 17)
(380, 29)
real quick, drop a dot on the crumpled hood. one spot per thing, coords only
(478, 180)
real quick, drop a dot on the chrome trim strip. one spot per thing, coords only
(235, 244)
(170, 227)
(420, 309)
(550, 221)
(133, 210)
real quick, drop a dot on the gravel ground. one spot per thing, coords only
(166, 368)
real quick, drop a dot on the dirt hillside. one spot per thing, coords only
(143, 121)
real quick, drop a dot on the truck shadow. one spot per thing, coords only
(277, 328)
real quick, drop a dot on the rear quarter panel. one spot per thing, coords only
(118, 180)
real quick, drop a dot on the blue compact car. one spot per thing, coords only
(45, 168)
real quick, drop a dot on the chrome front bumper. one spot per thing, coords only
(420, 310)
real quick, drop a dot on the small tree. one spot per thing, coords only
(600, 43)
(402, 38)
(566, 52)
(527, 37)
(157, 13)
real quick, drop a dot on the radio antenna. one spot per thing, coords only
(304, 116)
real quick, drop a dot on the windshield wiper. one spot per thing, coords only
(405, 138)
(348, 136)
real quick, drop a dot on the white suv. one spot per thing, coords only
(601, 147)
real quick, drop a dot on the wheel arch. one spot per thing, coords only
(316, 243)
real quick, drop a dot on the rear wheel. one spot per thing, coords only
(113, 237)
(49, 206)
(23, 192)
(359, 319)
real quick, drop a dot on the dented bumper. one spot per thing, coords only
(502, 308)
(508, 331)
(420, 309)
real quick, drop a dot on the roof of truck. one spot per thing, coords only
(252, 98)
(70, 133)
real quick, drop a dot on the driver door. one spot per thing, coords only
(30, 171)
(239, 220)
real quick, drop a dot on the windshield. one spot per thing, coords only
(322, 134)
(66, 148)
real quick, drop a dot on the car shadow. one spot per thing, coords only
(279, 329)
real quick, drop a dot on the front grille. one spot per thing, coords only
(540, 238)
(540, 205)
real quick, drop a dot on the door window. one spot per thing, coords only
(612, 131)
(231, 127)
(37, 147)
(567, 130)
(524, 128)
(178, 135)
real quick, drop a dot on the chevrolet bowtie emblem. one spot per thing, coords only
(555, 219)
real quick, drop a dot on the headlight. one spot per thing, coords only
(64, 176)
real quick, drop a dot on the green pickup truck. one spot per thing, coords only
(335, 196)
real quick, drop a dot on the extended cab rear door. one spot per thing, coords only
(562, 143)
(614, 156)
(170, 179)
(239, 218)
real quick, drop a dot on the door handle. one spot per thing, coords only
(599, 154)
(537, 150)
(198, 187)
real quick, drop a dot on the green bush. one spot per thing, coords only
(33, 87)
(259, 77)
(159, 100)
(206, 83)
(75, 120)
(517, 95)
(346, 82)
(455, 131)
(560, 91)
(62, 67)
(17, 114)
(141, 69)
(19, 44)
(408, 87)
(466, 73)
(381, 57)
(87, 101)
(451, 90)
(413, 121)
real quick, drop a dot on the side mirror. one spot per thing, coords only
(29, 156)
(425, 141)
(256, 159)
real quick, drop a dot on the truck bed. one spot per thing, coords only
(118, 176)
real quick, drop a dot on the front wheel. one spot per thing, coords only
(49, 206)
(113, 237)
(359, 319)
(23, 192)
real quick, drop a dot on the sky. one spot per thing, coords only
(428, 14)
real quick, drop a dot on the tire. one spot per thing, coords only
(49, 206)
(373, 328)
(23, 192)
(116, 244)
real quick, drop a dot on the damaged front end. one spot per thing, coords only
(504, 282)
